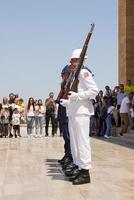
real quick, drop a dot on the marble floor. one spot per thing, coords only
(29, 170)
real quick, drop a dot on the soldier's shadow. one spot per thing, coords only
(54, 170)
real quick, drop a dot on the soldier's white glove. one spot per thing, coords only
(64, 102)
(73, 96)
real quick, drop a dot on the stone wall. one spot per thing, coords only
(126, 40)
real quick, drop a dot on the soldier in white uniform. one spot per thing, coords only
(80, 109)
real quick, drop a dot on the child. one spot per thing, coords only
(16, 122)
(22, 111)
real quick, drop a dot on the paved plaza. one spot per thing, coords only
(29, 170)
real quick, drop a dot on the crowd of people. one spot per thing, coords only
(112, 108)
(36, 113)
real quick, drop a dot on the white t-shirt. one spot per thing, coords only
(16, 119)
(5, 106)
(120, 97)
(39, 111)
(124, 107)
(30, 112)
(132, 112)
(110, 109)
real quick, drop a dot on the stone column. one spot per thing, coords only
(126, 40)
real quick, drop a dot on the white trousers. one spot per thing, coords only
(80, 141)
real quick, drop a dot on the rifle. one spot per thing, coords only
(72, 82)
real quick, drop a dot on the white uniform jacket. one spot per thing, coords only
(79, 103)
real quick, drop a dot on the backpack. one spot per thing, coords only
(50, 109)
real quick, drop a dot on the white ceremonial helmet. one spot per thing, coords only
(76, 53)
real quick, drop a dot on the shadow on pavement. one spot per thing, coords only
(55, 170)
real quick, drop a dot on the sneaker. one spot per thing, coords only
(105, 136)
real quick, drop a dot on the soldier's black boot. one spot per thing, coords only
(82, 178)
(74, 174)
(61, 161)
(70, 170)
(67, 161)
(70, 167)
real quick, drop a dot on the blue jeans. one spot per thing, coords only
(108, 125)
(30, 122)
(102, 127)
(39, 121)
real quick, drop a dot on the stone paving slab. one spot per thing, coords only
(29, 170)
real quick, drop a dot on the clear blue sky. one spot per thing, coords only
(37, 38)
